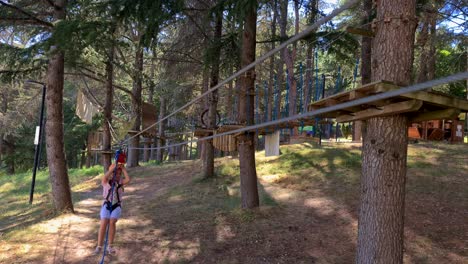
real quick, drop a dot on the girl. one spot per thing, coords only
(111, 208)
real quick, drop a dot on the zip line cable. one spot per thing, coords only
(297, 37)
(365, 100)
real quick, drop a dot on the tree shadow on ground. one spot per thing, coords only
(202, 222)
(436, 197)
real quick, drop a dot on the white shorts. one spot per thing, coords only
(106, 214)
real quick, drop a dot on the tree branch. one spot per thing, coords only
(21, 21)
(21, 11)
(99, 79)
(51, 3)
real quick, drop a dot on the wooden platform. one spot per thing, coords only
(268, 129)
(418, 106)
(202, 132)
(285, 125)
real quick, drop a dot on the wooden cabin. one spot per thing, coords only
(451, 130)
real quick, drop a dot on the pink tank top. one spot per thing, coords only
(118, 192)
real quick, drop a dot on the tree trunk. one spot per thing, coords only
(208, 168)
(83, 157)
(366, 48)
(432, 46)
(366, 69)
(230, 92)
(271, 81)
(1, 149)
(248, 174)
(3, 109)
(134, 153)
(422, 43)
(381, 216)
(151, 152)
(146, 153)
(89, 157)
(106, 137)
(289, 58)
(10, 151)
(283, 21)
(313, 9)
(426, 40)
(61, 193)
(205, 106)
(161, 127)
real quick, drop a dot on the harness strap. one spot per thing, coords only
(111, 207)
(108, 203)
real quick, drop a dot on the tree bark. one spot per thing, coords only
(1, 149)
(248, 173)
(89, 157)
(432, 48)
(147, 146)
(271, 80)
(283, 21)
(426, 40)
(208, 168)
(230, 92)
(10, 151)
(58, 172)
(381, 216)
(313, 6)
(205, 105)
(134, 154)
(422, 43)
(366, 69)
(106, 137)
(152, 152)
(3, 109)
(83, 157)
(288, 58)
(161, 127)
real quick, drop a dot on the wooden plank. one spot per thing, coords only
(202, 132)
(391, 109)
(385, 86)
(355, 94)
(430, 97)
(437, 99)
(360, 31)
(225, 128)
(435, 115)
(363, 91)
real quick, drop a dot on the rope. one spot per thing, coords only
(297, 37)
(365, 100)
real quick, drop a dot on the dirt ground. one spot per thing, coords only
(170, 217)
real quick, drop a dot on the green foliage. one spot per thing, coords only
(149, 15)
(451, 60)
(74, 36)
(346, 130)
(19, 62)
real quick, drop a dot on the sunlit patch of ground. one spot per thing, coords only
(309, 212)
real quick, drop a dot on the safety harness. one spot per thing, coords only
(111, 207)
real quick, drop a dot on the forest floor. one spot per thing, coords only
(308, 214)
